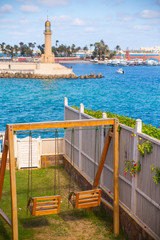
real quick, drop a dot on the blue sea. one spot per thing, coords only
(135, 94)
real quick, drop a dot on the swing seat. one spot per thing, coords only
(44, 205)
(85, 199)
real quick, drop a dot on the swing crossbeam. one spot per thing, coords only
(44, 205)
(85, 199)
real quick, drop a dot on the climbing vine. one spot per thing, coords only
(156, 177)
(132, 166)
(145, 147)
(142, 148)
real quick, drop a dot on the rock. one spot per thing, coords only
(86, 76)
(81, 77)
(92, 74)
(99, 75)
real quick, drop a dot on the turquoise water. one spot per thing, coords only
(135, 94)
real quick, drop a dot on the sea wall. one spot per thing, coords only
(34, 68)
(31, 74)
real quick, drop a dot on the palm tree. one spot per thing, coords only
(73, 48)
(118, 48)
(2, 47)
(8, 49)
(41, 48)
(85, 49)
(91, 45)
(57, 43)
(16, 49)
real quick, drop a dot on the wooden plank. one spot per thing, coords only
(50, 202)
(63, 124)
(89, 191)
(34, 206)
(6, 218)
(77, 200)
(47, 197)
(88, 200)
(107, 203)
(88, 196)
(59, 204)
(99, 197)
(13, 184)
(102, 160)
(116, 179)
(3, 163)
(46, 212)
(46, 206)
(89, 205)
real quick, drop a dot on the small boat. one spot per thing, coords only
(120, 70)
(96, 60)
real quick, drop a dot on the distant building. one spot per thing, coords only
(150, 49)
(82, 53)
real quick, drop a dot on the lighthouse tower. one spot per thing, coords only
(48, 56)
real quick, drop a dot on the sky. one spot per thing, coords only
(128, 23)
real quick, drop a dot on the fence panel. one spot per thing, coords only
(50, 146)
(140, 195)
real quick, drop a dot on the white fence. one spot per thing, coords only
(140, 195)
(40, 147)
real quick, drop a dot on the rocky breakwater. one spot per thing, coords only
(38, 76)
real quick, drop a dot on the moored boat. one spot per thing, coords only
(120, 70)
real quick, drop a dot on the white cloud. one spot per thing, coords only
(6, 8)
(127, 18)
(24, 21)
(61, 18)
(6, 20)
(29, 8)
(149, 14)
(78, 22)
(142, 27)
(123, 16)
(17, 34)
(90, 29)
(54, 3)
(9, 27)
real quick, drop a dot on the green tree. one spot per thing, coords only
(3, 47)
(41, 48)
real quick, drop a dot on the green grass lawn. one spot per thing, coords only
(69, 224)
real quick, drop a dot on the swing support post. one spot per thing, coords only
(9, 146)
(13, 184)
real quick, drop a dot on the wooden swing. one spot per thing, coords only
(83, 199)
(8, 147)
(47, 204)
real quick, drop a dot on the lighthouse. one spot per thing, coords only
(48, 56)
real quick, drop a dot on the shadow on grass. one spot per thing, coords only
(73, 214)
(4, 234)
(34, 222)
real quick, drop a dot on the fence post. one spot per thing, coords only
(138, 129)
(65, 101)
(65, 104)
(104, 116)
(80, 136)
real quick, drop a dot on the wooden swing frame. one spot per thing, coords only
(9, 147)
